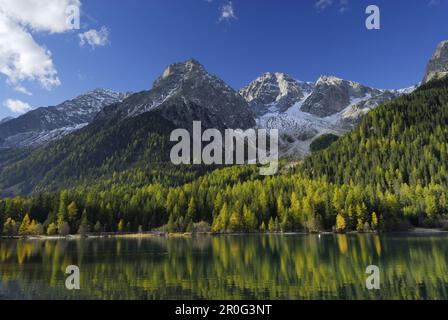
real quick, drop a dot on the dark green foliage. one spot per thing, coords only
(404, 141)
(97, 150)
(323, 142)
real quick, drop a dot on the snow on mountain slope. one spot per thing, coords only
(25, 139)
(4, 120)
(274, 92)
(331, 105)
(46, 124)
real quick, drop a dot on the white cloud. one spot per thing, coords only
(343, 6)
(39, 15)
(94, 38)
(23, 90)
(227, 12)
(434, 3)
(21, 58)
(17, 106)
(323, 4)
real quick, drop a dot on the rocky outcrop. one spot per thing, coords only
(274, 91)
(438, 65)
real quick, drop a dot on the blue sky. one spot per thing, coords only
(134, 40)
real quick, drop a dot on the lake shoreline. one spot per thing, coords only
(145, 235)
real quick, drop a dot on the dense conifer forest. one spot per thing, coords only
(390, 173)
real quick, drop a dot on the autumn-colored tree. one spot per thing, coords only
(234, 222)
(340, 223)
(10, 227)
(250, 221)
(52, 229)
(360, 225)
(271, 225)
(374, 222)
(84, 225)
(221, 221)
(72, 211)
(120, 226)
(24, 228)
(35, 228)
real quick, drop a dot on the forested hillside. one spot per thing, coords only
(405, 141)
(388, 174)
(97, 150)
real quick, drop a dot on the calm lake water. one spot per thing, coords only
(228, 267)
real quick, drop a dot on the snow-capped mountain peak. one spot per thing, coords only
(329, 80)
(330, 105)
(272, 91)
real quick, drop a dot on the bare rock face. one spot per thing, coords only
(186, 92)
(332, 95)
(274, 91)
(438, 65)
(302, 111)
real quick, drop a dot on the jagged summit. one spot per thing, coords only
(302, 111)
(272, 91)
(329, 79)
(185, 90)
(438, 65)
(181, 70)
(332, 95)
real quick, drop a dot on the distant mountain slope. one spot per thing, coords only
(46, 124)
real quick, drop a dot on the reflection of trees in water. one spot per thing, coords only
(232, 267)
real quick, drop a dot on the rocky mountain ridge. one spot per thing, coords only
(45, 124)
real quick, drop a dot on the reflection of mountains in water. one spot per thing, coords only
(229, 267)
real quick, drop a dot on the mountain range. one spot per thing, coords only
(186, 92)
(183, 93)
(104, 131)
(303, 111)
